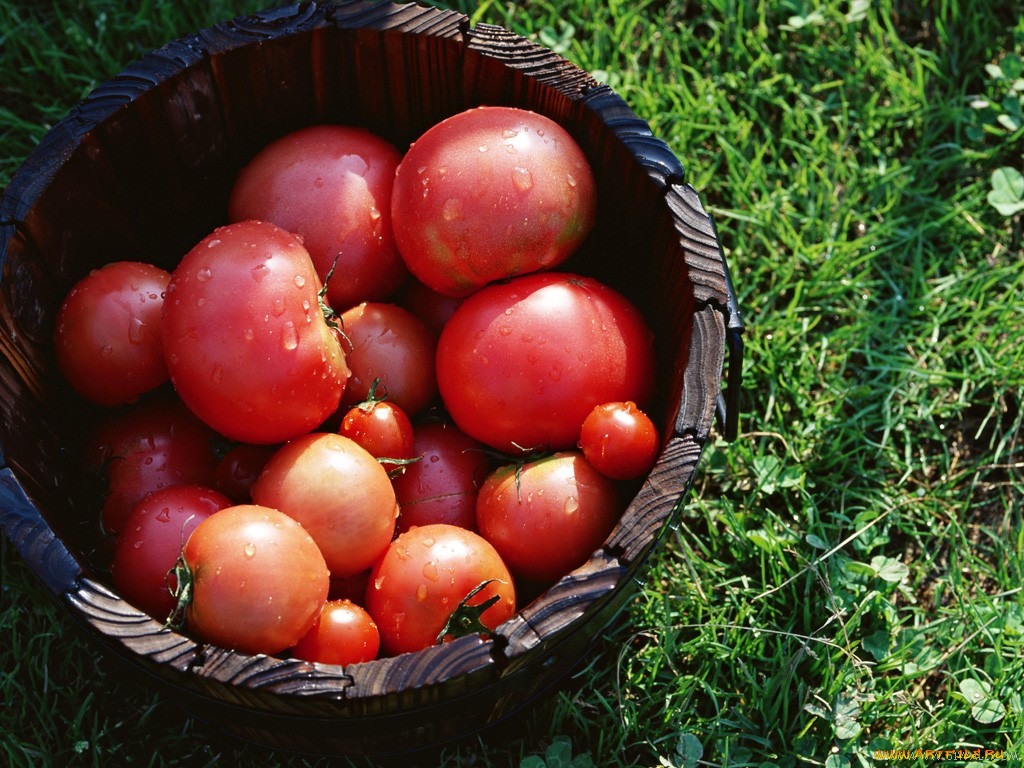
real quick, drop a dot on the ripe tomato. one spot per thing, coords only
(422, 578)
(548, 516)
(490, 193)
(258, 580)
(246, 342)
(149, 446)
(382, 428)
(107, 335)
(441, 486)
(388, 344)
(151, 540)
(331, 184)
(338, 492)
(428, 305)
(619, 440)
(238, 469)
(343, 633)
(521, 364)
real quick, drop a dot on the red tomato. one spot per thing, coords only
(521, 364)
(338, 492)
(383, 429)
(246, 343)
(441, 486)
(331, 184)
(149, 446)
(389, 344)
(433, 308)
(619, 440)
(238, 469)
(258, 580)
(490, 193)
(107, 333)
(422, 578)
(549, 517)
(343, 633)
(151, 540)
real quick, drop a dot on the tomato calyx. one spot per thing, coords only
(378, 394)
(466, 619)
(331, 316)
(181, 590)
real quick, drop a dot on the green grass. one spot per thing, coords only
(847, 575)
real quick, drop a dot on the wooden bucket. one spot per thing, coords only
(141, 170)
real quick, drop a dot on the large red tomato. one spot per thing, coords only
(107, 335)
(331, 184)
(390, 345)
(547, 517)
(424, 575)
(258, 580)
(490, 193)
(339, 493)
(246, 342)
(521, 364)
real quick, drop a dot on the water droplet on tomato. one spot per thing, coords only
(249, 549)
(374, 213)
(452, 209)
(421, 592)
(508, 133)
(540, 131)
(570, 179)
(522, 178)
(299, 281)
(277, 307)
(107, 349)
(289, 336)
(482, 148)
(135, 326)
(164, 515)
(430, 570)
(213, 243)
(318, 182)
(571, 505)
(505, 330)
(434, 458)
(259, 272)
(203, 274)
(249, 334)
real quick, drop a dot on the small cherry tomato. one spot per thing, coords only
(382, 428)
(343, 633)
(151, 540)
(547, 516)
(424, 576)
(619, 440)
(107, 336)
(258, 580)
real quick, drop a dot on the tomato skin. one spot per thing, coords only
(521, 364)
(151, 539)
(619, 440)
(343, 633)
(258, 580)
(383, 429)
(387, 343)
(550, 518)
(422, 578)
(239, 468)
(490, 193)
(107, 337)
(433, 308)
(338, 492)
(247, 346)
(148, 446)
(331, 184)
(442, 485)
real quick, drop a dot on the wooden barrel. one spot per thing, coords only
(141, 170)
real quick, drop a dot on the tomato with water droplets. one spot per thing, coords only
(247, 343)
(343, 633)
(258, 581)
(424, 576)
